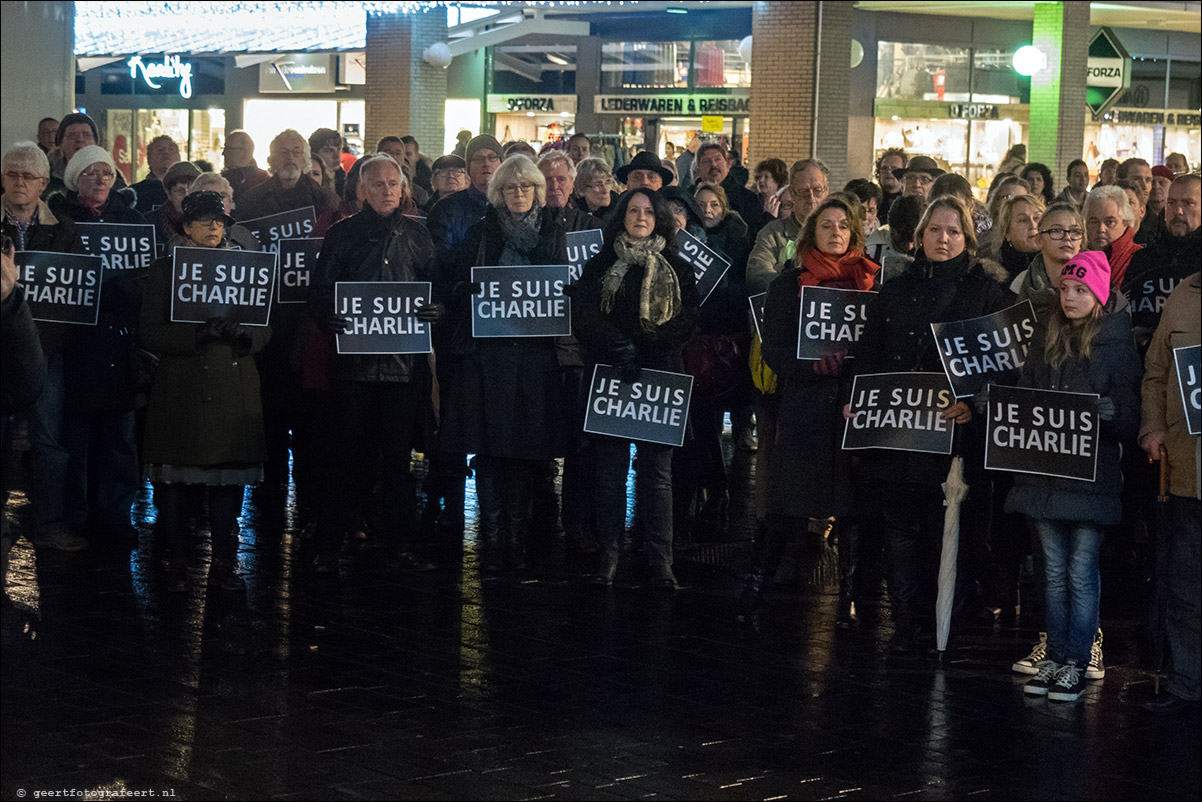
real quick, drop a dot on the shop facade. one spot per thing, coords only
(198, 99)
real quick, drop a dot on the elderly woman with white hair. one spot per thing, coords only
(594, 187)
(90, 196)
(507, 406)
(1110, 227)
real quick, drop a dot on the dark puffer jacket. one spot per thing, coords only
(898, 338)
(1152, 276)
(368, 247)
(1113, 370)
(119, 208)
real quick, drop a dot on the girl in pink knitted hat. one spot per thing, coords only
(1085, 346)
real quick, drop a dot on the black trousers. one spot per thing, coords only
(912, 522)
(371, 424)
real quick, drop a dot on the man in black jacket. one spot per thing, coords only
(712, 165)
(378, 401)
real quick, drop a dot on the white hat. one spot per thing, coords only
(82, 160)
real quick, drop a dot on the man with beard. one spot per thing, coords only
(712, 166)
(891, 187)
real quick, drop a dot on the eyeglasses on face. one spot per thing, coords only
(27, 178)
(98, 175)
(485, 158)
(524, 188)
(1073, 234)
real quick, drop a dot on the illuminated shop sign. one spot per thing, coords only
(674, 105)
(171, 68)
(539, 104)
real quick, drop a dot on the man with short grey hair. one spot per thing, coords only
(240, 168)
(377, 401)
(290, 186)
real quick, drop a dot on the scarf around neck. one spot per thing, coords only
(659, 289)
(848, 271)
(1119, 254)
(521, 235)
(1014, 260)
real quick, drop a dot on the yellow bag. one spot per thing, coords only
(761, 375)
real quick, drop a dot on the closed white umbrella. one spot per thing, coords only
(954, 492)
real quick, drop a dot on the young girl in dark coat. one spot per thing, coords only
(1086, 346)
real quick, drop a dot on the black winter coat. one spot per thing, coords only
(601, 333)
(1154, 272)
(748, 204)
(368, 247)
(808, 477)
(725, 311)
(57, 234)
(506, 399)
(1113, 369)
(897, 338)
(24, 367)
(119, 208)
(101, 363)
(450, 220)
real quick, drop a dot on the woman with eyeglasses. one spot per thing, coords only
(594, 187)
(1060, 237)
(204, 423)
(90, 198)
(505, 405)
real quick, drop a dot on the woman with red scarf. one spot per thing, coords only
(805, 480)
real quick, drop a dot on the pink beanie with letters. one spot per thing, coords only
(1093, 270)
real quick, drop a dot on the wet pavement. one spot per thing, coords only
(380, 683)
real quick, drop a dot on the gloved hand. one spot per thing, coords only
(830, 364)
(229, 329)
(431, 313)
(475, 288)
(211, 330)
(1106, 408)
(333, 324)
(980, 400)
(625, 357)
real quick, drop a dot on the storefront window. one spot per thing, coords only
(208, 136)
(922, 72)
(994, 79)
(118, 130)
(718, 64)
(645, 65)
(264, 118)
(156, 122)
(534, 69)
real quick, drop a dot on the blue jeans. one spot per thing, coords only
(1074, 587)
(653, 484)
(47, 423)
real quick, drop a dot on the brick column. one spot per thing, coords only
(386, 92)
(428, 84)
(784, 45)
(1056, 134)
(404, 94)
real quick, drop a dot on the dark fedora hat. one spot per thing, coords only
(644, 160)
(919, 164)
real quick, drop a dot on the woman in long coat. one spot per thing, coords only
(204, 425)
(507, 408)
(634, 307)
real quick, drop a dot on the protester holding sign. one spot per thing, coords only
(30, 224)
(204, 425)
(1167, 403)
(1086, 347)
(507, 405)
(946, 282)
(634, 307)
(808, 478)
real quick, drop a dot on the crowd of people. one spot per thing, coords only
(202, 410)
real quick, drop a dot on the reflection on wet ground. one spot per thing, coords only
(386, 684)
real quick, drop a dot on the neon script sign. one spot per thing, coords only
(170, 69)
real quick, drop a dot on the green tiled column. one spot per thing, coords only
(1057, 129)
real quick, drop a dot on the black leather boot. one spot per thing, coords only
(489, 504)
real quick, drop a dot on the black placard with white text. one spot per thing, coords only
(757, 312)
(977, 351)
(121, 246)
(383, 317)
(221, 282)
(61, 287)
(708, 265)
(831, 320)
(1189, 378)
(655, 408)
(900, 412)
(294, 224)
(298, 257)
(1045, 432)
(521, 301)
(1149, 294)
(582, 246)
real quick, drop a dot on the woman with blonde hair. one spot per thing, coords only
(1016, 237)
